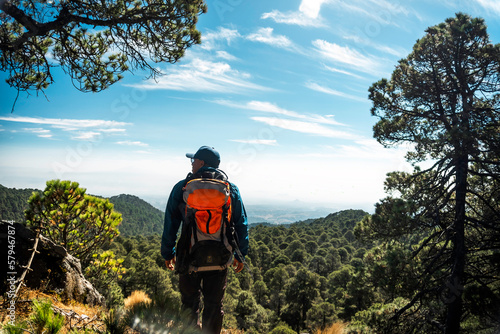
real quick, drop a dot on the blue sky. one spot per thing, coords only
(279, 88)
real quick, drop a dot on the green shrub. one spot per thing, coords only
(43, 317)
(282, 329)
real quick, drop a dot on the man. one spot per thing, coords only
(211, 283)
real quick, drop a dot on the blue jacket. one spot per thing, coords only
(173, 219)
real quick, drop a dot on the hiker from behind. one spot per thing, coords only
(214, 229)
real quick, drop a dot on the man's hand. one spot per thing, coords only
(238, 266)
(170, 263)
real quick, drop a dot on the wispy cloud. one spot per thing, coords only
(87, 136)
(225, 55)
(330, 91)
(305, 127)
(132, 143)
(490, 5)
(306, 16)
(265, 35)
(115, 130)
(359, 39)
(204, 76)
(382, 12)
(40, 132)
(269, 107)
(336, 70)
(211, 39)
(84, 129)
(346, 56)
(295, 18)
(269, 142)
(66, 124)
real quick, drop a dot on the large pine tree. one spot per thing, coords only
(444, 100)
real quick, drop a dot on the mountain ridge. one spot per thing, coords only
(142, 217)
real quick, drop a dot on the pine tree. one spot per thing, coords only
(444, 100)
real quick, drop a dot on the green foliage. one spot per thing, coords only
(17, 328)
(282, 329)
(104, 272)
(139, 217)
(256, 302)
(43, 317)
(91, 41)
(116, 321)
(321, 315)
(444, 100)
(13, 202)
(79, 222)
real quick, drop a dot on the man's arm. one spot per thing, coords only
(173, 218)
(239, 217)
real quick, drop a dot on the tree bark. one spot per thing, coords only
(456, 282)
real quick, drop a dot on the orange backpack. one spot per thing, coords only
(207, 218)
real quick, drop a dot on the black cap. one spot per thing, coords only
(208, 154)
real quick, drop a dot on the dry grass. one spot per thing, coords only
(336, 328)
(77, 315)
(137, 297)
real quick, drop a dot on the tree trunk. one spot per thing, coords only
(456, 282)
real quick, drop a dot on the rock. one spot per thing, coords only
(54, 269)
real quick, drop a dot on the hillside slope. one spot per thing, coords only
(13, 202)
(139, 217)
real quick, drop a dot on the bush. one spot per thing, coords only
(282, 329)
(43, 317)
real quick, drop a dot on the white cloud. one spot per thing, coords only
(270, 142)
(132, 143)
(307, 15)
(311, 8)
(87, 136)
(225, 55)
(272, 108)
(210, 40)
(86, 129)
(265, 35)
(203, 76)
(305, 127)
(326, 90)
(40, 132)
(346, 56)
(295, 18)
(359, 39)
(66, 124)
(492, 5)
(112, 130)
(336, 70)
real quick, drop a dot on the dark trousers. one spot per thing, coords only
(212, 284)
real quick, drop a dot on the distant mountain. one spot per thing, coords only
(282, 214)
(275, 213)
(13, 202)
(345, 219)
(142, 218)
(139, 217)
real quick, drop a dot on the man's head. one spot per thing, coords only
(205, 156)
